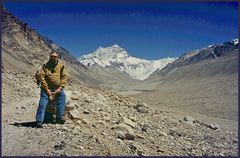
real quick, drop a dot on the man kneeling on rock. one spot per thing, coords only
(53, 78)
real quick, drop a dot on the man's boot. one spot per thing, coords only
(60, 120)
(39, 124)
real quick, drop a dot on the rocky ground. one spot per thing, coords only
(103, 123)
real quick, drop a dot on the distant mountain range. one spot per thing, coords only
(223, 55)
(118, 58)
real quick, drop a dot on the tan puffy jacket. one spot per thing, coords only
(52, 77)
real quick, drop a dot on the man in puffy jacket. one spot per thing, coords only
(53, 78)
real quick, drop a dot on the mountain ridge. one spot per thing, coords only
(22, 44)
(117, 57)
(211, 52)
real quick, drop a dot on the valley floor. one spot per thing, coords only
(211, 100)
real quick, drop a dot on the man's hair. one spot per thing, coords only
(53, 52)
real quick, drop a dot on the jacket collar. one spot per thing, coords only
(51, 64)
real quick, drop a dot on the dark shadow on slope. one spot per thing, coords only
(29, 124)
(47, 120)
(25, 124)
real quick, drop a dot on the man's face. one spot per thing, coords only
(54, 58)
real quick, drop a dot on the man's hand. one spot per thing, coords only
(49, 93)
(58, 90)
(52, 96)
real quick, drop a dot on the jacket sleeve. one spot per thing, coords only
(43, 78)
(64, 78)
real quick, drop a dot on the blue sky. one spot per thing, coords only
(145, 30)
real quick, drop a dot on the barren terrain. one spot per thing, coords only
(103, 123)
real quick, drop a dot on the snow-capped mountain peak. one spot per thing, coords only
(115, 45)
(109, 52)
(118, 58)
(235, 41)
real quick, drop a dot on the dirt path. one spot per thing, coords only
(21, 110)
(14, 138)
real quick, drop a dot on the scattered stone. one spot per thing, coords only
(85, 121)
(124, 128)
(162, 133)
(140, 136)
(213, 126)
(142, 104)
(86, 112)
(74, 114)
(198, 122)
(70, 152)
(74, 97)
(87, 100)
(189, 123)
(115, 121)
(94, 125)
(145, 127)
(222, 154)
(120, 141)
(97, 140)
(129, 122)
(76, 93)
(235, 141)
(80, 147)
(77, 128)
(94, 112)
(133, 147)
(107, 118)
(24, 108)
(160, 150)
(189, 119)
(70, 106)
(119, 114)
(103, 133)
(141, 107)
(120, 135)
(177, 131)
(90, 148)
(140, 152)
(129, 136)
(59, 146)
(101, 122)
(134, 119)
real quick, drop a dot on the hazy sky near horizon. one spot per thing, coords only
(144, 30)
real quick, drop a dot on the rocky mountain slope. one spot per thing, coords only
(22, 44)
(119, 59)
(219, 58)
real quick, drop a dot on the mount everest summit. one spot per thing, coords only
(118, 58)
